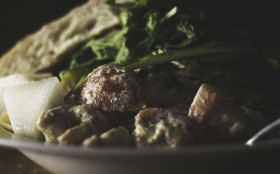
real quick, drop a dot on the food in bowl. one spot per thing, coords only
(132, 74)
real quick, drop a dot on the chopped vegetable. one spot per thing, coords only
(17, 79)
(25, 102)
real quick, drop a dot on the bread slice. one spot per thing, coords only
(46, 49)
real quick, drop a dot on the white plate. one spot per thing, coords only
(233, 158)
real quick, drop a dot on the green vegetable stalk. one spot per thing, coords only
(211, 52)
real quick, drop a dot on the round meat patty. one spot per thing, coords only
(110, 88)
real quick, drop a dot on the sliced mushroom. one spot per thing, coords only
(78, 119)
(92, 141)
(114, 137)
(77, 134)
(162, 127)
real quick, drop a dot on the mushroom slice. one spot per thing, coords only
(67, 121)
(77, 134)
(163, 127)
(114, 137)
(92, 141)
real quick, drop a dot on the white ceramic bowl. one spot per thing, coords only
(228, 158)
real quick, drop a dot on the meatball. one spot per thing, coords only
(110, 88)
(166, 128)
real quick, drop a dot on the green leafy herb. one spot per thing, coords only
(143, 31)
(149, 38)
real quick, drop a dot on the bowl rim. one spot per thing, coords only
(78, 150)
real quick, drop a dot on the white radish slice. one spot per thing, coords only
(25, 102)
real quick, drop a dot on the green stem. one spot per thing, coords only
(209, 52)
(70, 93)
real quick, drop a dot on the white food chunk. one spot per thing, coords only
(17, 79)
(25, 102)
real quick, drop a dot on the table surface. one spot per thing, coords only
(14, 162)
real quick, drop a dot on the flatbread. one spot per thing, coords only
(46, 49)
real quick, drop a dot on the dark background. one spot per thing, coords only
(21, 17)
(260, 17)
